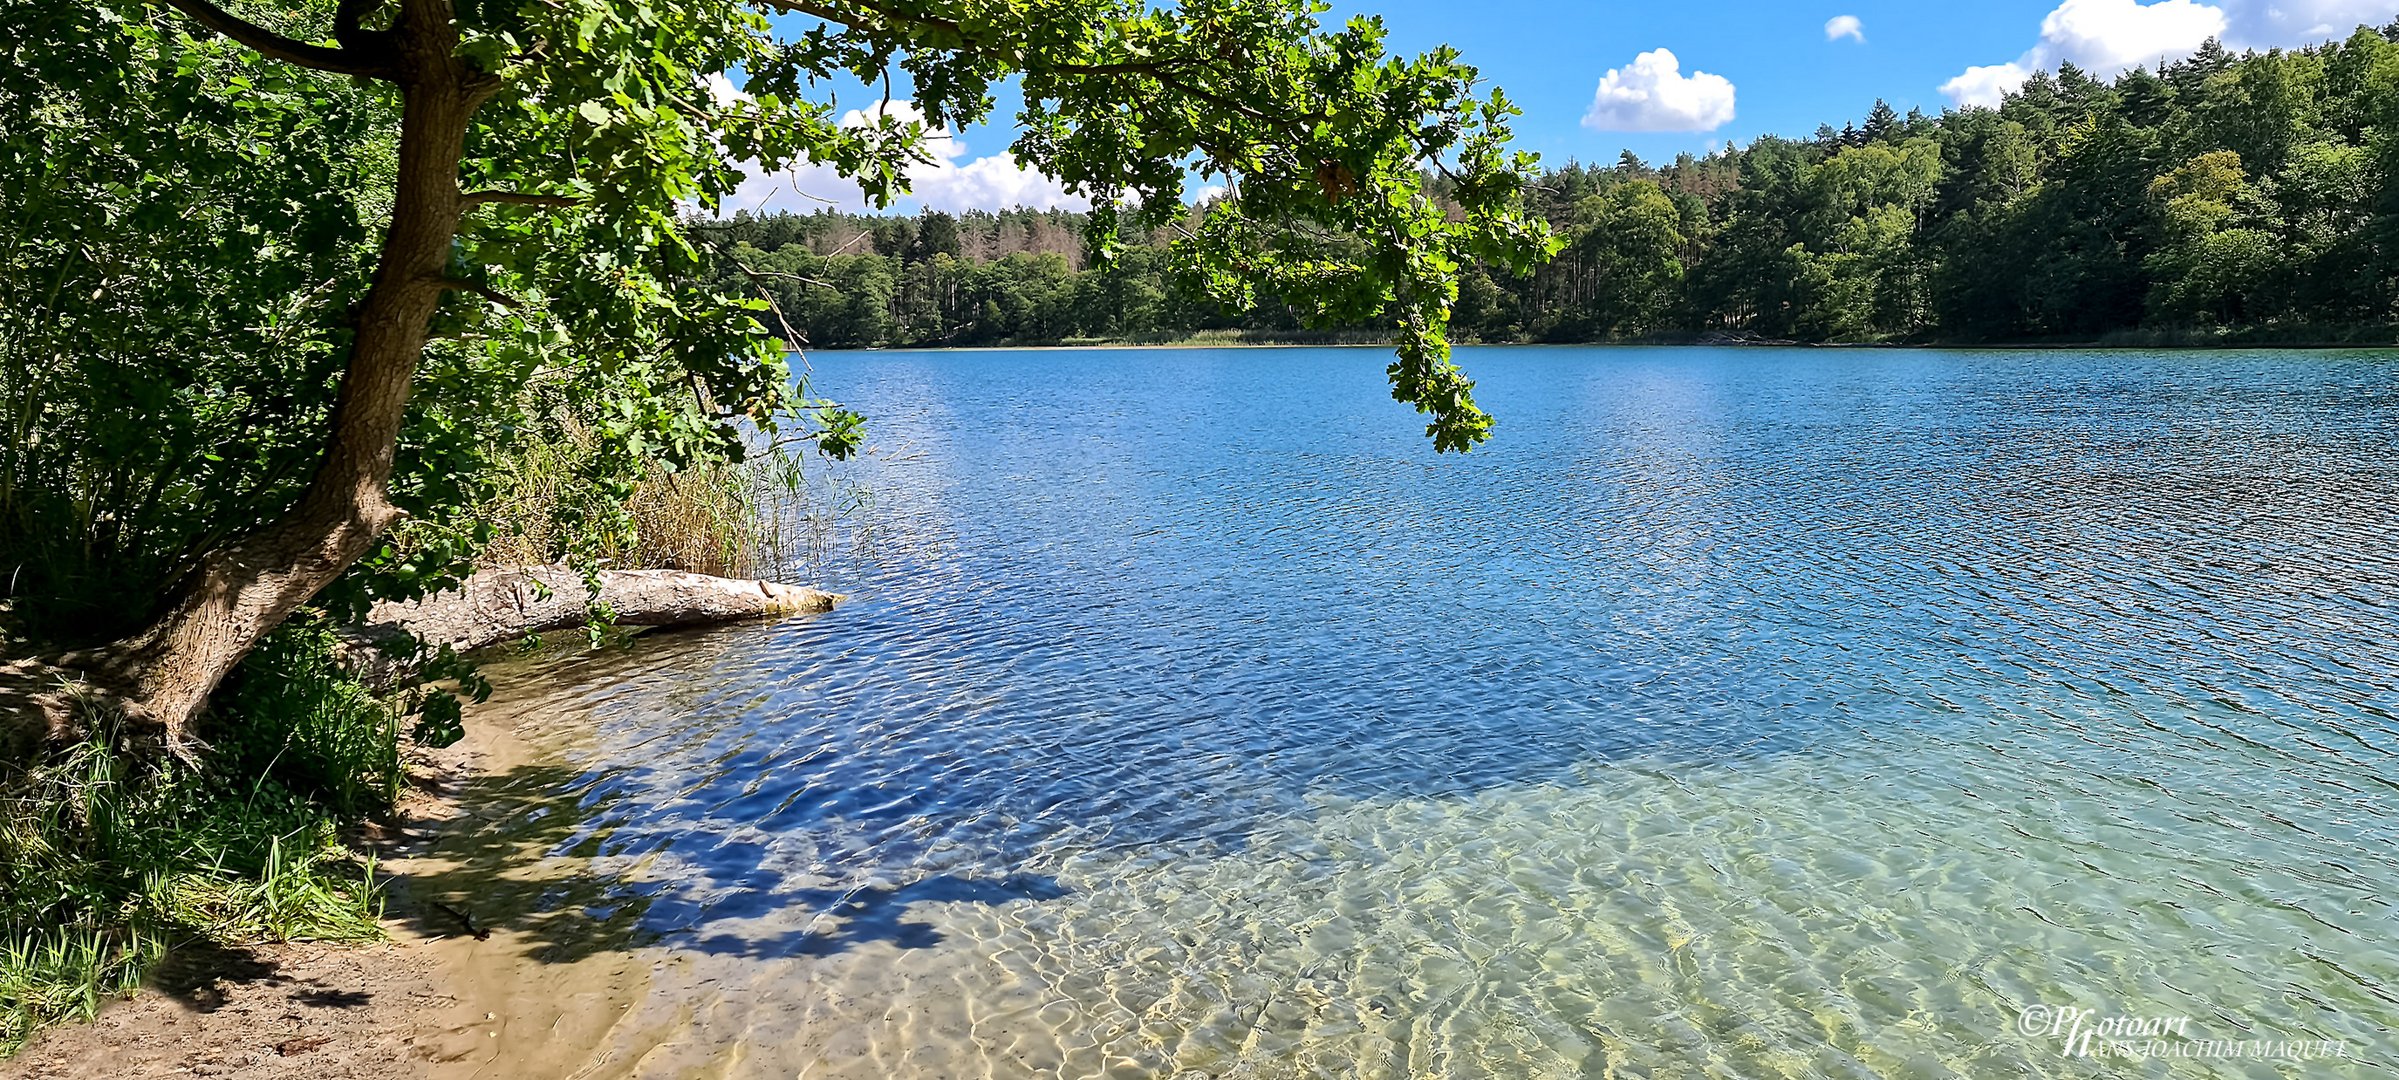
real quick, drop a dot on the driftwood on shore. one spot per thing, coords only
(493, 608)
(499, 606)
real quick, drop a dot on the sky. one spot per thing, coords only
(1597, 79)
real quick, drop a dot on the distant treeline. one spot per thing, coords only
(2219, 197)
(978, 278)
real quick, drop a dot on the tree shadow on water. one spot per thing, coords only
(518, 860)
(848, 918)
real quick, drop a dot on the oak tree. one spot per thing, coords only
(545, 154)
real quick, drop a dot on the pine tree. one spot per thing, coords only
(937, 234)
(2147, 99)
(2192, 73)
(1882, 125)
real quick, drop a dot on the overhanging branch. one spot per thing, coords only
(275, 46)
(791, 337)
(519, 198)
(482, 290)
(866, 13)
(867, 16)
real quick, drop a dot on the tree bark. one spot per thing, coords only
(244, 589)
(495, 607)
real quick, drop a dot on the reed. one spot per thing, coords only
(758, 518)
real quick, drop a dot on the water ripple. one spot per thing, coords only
(1735, 713)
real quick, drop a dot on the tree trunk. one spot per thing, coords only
(244, 589)
(495, 607)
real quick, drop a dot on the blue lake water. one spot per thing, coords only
(1742, 713)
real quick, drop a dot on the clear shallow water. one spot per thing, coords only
(1735, 713)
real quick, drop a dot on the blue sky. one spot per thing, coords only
(1787, 78)
(1659, 79)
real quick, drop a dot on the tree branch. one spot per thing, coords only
(862, 15)
(801, 278)
(791, 338)
(349, 15)
(518, 198)
(349, 20)
(275, 46)
(482, 290)
(857, 19)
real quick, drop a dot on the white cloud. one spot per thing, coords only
(2109, 36)
(990, 183)
(1986, 86)
(1845, 26)
(947, 182)
(1653, 94)
(2268, 23)
(721, 89)
(2113, 35)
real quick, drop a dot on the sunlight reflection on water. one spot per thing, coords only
(1735, 713)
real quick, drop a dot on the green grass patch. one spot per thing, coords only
(110, 858)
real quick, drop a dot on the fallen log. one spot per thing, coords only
(495, 607)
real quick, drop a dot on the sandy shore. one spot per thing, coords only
(446, 997)
(279, 1011)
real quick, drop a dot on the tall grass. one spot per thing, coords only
(705, 520)
(111, 857)
(752, 519)
(302, 720)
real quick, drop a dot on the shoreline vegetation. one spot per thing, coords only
(2196, 342)
(122, 868)
(446, 976)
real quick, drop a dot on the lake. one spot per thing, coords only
(1733, 713)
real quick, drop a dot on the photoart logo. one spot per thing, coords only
(2089, 1033)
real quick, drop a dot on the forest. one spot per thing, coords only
(2220, 197)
